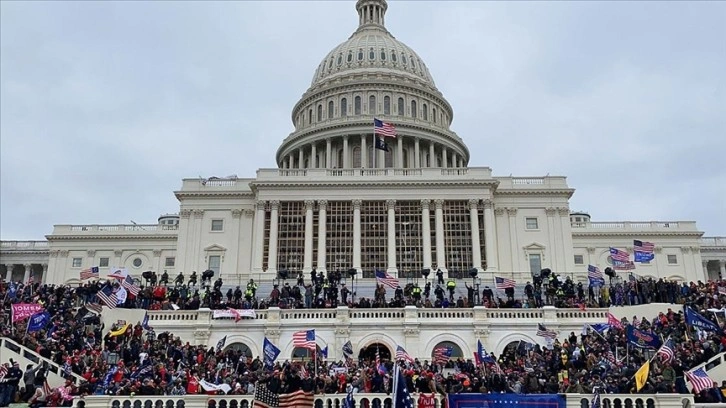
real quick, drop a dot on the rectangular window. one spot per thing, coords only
(215, 263)
(579, 260)
(217, 225)
(672, 259)
(103, 262)
(77, 262)
(535, 263)
(531, 223)
(169, 261)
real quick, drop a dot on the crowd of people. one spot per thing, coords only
(142, 362)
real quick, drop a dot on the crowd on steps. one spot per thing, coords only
(139, 361)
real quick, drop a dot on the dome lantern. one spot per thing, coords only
(371, 12)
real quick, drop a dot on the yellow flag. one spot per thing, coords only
(126, 326)
(641, 376)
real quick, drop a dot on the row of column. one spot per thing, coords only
(26, 275)
(448, 159)
(320, 264)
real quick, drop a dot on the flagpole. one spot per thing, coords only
(373, 146)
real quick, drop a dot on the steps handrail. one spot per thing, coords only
(52, 366)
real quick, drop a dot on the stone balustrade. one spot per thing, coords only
(336, 400)
(689, 226)
(115, 229)
(713, 242)
(24, 245)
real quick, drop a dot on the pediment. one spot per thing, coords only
(535, 246)
(215, 248)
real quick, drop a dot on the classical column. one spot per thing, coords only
(322, 215)
(552, 233)
(272, 248)
(44, 276)
(313, 156)
(440, 249)
(308, 254)
(475, 242)
(345, 153)
(426, 230)
(432, 156)
(416, 154)
(722, 264)
(444, 157)
(300, 159)
(400, 152)
(490, 236)
(290, 161)
(454, 160)
(356, 235)
(258, 237)
(363, 152)
(9, 272)
(391, 204)
(513, 234)
(328, 153)
(26, 275)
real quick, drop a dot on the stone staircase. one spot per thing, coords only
(11, 349)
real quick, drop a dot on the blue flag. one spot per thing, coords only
(381, 145)
(145, 322)
(38, 321)
(348, 401)
(644, 256)
(347, 349)
(642, 339)
(12, 290)
(696, 319)
(270, 352)
(401, 394)
(600, 327)
(324, 352)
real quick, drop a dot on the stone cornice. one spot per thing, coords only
(626, 233)
(110, 237)
(543, 191)
(25, 251)
(211, 193)
(378, 183)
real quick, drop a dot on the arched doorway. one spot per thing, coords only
(305, 354)
(446, 350)
(368, 353)
(240, 348)
(516, 349)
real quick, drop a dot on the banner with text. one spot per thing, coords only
(22, 311)
(220, 314)
(505, 400)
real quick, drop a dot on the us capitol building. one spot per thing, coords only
(335, 202)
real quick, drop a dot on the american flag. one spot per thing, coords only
(619, 255)
(666, 350)
(107, 296)
(386, 280)
(297, 399)
(264, 398)
(442, 354)
(594, 272)
(304, 339)
(401, 354)
(384, 129)
(504, 283)
(699, 379)
(95, 307)
(642, 246)
(614, 321)
(610, 356)
(542, 331)
(129, 284)
(379, 367)
(89, 273)
(3, 371)
(623, 266)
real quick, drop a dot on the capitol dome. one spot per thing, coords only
(372, 75)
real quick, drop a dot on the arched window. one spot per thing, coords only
(401, 107)
(433, 113)
(320, 112)
(413, 109)
(356, 157)
(360, 54)
(403, 58)
(372, 105)
(371, 55)
(343, 107)
(310, 117)
(386, 105)
(383, 54)
(340, 59)
(393, 56)
(330, 110)
(425, 112)
(405, 159)
(350, 56)
(357, 105)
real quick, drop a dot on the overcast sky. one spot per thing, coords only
(106, 106)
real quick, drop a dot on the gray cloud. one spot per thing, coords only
(105, 106)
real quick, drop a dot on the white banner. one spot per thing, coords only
(214, 387)
(218, 314)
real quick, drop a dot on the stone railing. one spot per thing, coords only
(11, 349)
(383, 400)
(435, 173)
(24, 245)
(638, 226)
(115, 229)
(713, 242)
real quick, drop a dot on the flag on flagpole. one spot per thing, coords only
(297, 399)
(221, 343)
(382, 145)
(641, 376)
(95, 307)
(504, 283)
(118, 273)
(90, 273)
(614, 321)
(442, 354)
(385, 279)
(384, 129)
(666, 350)
(542, 331)
(619, 255)
(347, 349)
(304, 339)
(145, 323)
(401, 354)
(130, 285)
(699, 380)
(107, 296)
(644, 251)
